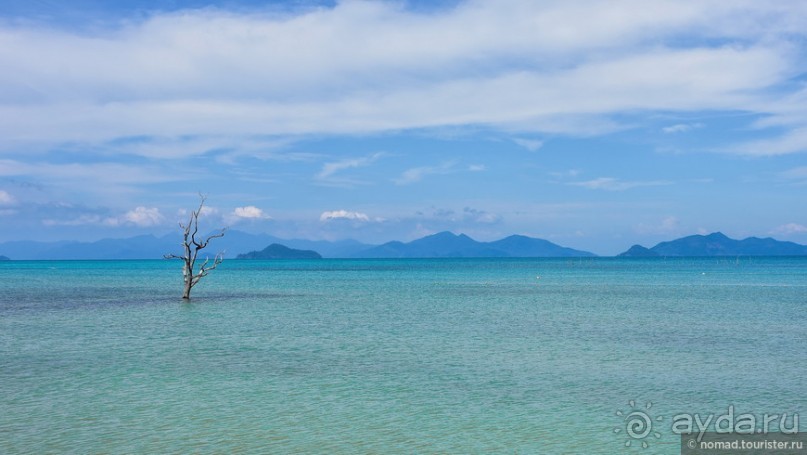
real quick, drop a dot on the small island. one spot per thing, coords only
(277, 251)
(638, 251)
(4, 258)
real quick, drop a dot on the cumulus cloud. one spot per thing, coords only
(144, 216)
(250, 212)
(343, 215)
(613, 184)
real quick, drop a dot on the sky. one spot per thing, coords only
(592, 124)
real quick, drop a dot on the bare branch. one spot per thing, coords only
(211, 237)
(205, 269)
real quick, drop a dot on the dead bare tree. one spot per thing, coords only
(191, 246)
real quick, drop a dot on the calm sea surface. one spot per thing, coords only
(393, 356)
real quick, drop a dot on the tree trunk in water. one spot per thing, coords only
(186, 294)
(187, 276)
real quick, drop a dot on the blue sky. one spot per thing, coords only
(595, 125)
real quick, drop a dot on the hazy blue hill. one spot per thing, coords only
(4, 258)
(754, 246)
(152, 247)
(447, 244)
(715, 244)
(277, 251)
(638, 251)
(140, 247)
(394, 249)
(443, 244)
(27, 249)
(718, 244)
(523, 246)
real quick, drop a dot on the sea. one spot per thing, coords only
(432, 356)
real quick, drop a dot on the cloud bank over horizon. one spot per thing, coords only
(551, 67)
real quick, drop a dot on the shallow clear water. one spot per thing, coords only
(392, 356)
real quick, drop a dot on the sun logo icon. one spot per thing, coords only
(638, 424)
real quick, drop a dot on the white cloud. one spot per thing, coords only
(613, 184)
(143, 216)
(250, 212)
(6, 198)
(344, 215)
(681, 127)
(327, 174)
(530, 144)
(790, 229)
(168, 76)
(81, 220)
(416, 174)
(794, 141)
(225, 148)
(114, 178)
(139, 216)
(208, 211)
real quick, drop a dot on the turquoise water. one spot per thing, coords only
(392, 356)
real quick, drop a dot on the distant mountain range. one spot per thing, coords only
(718, 244)
(449, 245)
(152, 247)
(443, 244)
